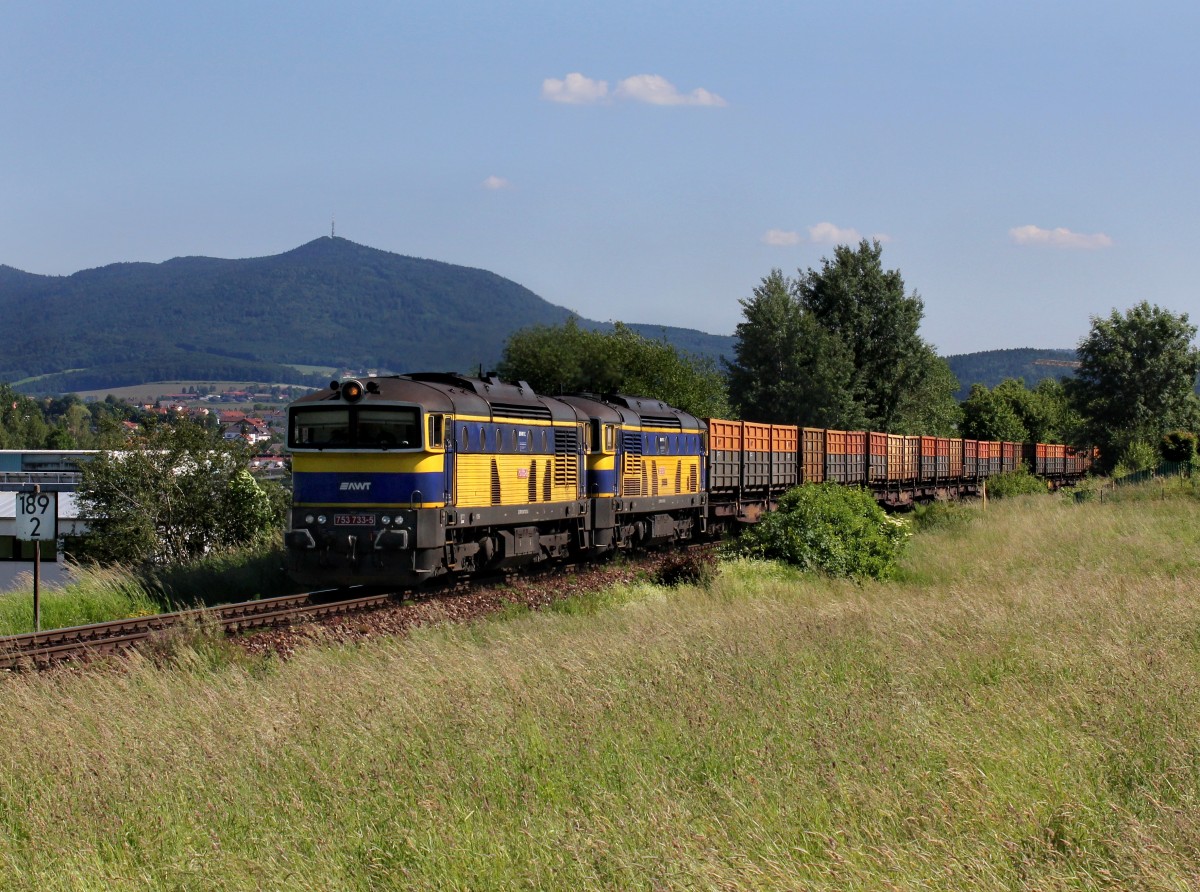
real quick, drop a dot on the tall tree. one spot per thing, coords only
(787, 369)
(854, 298)
(928, 406)
(1136, 378)
(566, 358)
(839, 348)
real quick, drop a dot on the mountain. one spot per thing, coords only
(330, 302)
(990, 367)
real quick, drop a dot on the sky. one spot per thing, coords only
(1026, 166)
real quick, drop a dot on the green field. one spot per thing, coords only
(1021, 710)
(153, 390)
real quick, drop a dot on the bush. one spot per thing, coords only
(688, 568)
(1137, 456)
(838, 530)
(1015, 483)
(1178, 446)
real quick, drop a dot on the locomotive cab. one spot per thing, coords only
(369, 483)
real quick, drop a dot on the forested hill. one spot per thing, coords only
(990, 367)
(330, 302)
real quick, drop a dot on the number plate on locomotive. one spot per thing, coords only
(354, 520)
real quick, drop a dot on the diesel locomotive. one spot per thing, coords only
(400, 479)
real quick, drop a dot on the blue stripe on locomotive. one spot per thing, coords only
(311, 487)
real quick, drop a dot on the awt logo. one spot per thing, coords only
(355, 486)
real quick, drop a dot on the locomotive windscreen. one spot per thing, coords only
(355, 427)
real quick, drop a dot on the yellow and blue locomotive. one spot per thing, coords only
(402, 478)
(399, 479)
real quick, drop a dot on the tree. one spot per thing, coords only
(856, 299)
(566, 358)
(840, 347)
(928, 405)
(787, 369)
(1136, 378)
(174, 495)
(988, 415)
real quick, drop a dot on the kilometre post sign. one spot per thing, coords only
(37, 516)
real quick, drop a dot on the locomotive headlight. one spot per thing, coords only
(352, 391)
(308, 518)
(321, 519)
(385, 520)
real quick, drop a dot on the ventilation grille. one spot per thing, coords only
(632, 479)
(510, 410)
(668, 421)
(566, 457)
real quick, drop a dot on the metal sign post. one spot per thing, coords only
(37, 521)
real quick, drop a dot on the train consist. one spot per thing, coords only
(400, 479)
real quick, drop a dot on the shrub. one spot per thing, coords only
(1015, 483)
(833, 529)
(1179, 446)
(688, 568)
(1137, 456)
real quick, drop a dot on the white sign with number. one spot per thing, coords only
(37, 516)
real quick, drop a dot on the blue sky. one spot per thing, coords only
(1026, 165)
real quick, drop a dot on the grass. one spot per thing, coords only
(1018, 710)
(99, 594)
(95, 595)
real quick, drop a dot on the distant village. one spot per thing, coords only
(257, 417)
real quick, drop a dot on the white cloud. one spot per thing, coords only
(574, 89)
(656, 90)
(1059, 238)
(781, 238)
(652, 89)
(495, 182)
(828, 234)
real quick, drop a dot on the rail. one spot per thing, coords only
(42, 649)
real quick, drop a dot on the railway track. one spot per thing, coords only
(42, 649)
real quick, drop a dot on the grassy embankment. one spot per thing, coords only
(1020, 710)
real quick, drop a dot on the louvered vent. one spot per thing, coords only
(566, 457)
(509, 410)
(671, 422)
(495, 483)
(533, 481)
(631, 480)
(631, 442)
(547, 492)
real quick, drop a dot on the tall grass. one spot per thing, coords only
(93, 595)
(1020, 710)
(99, 594)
